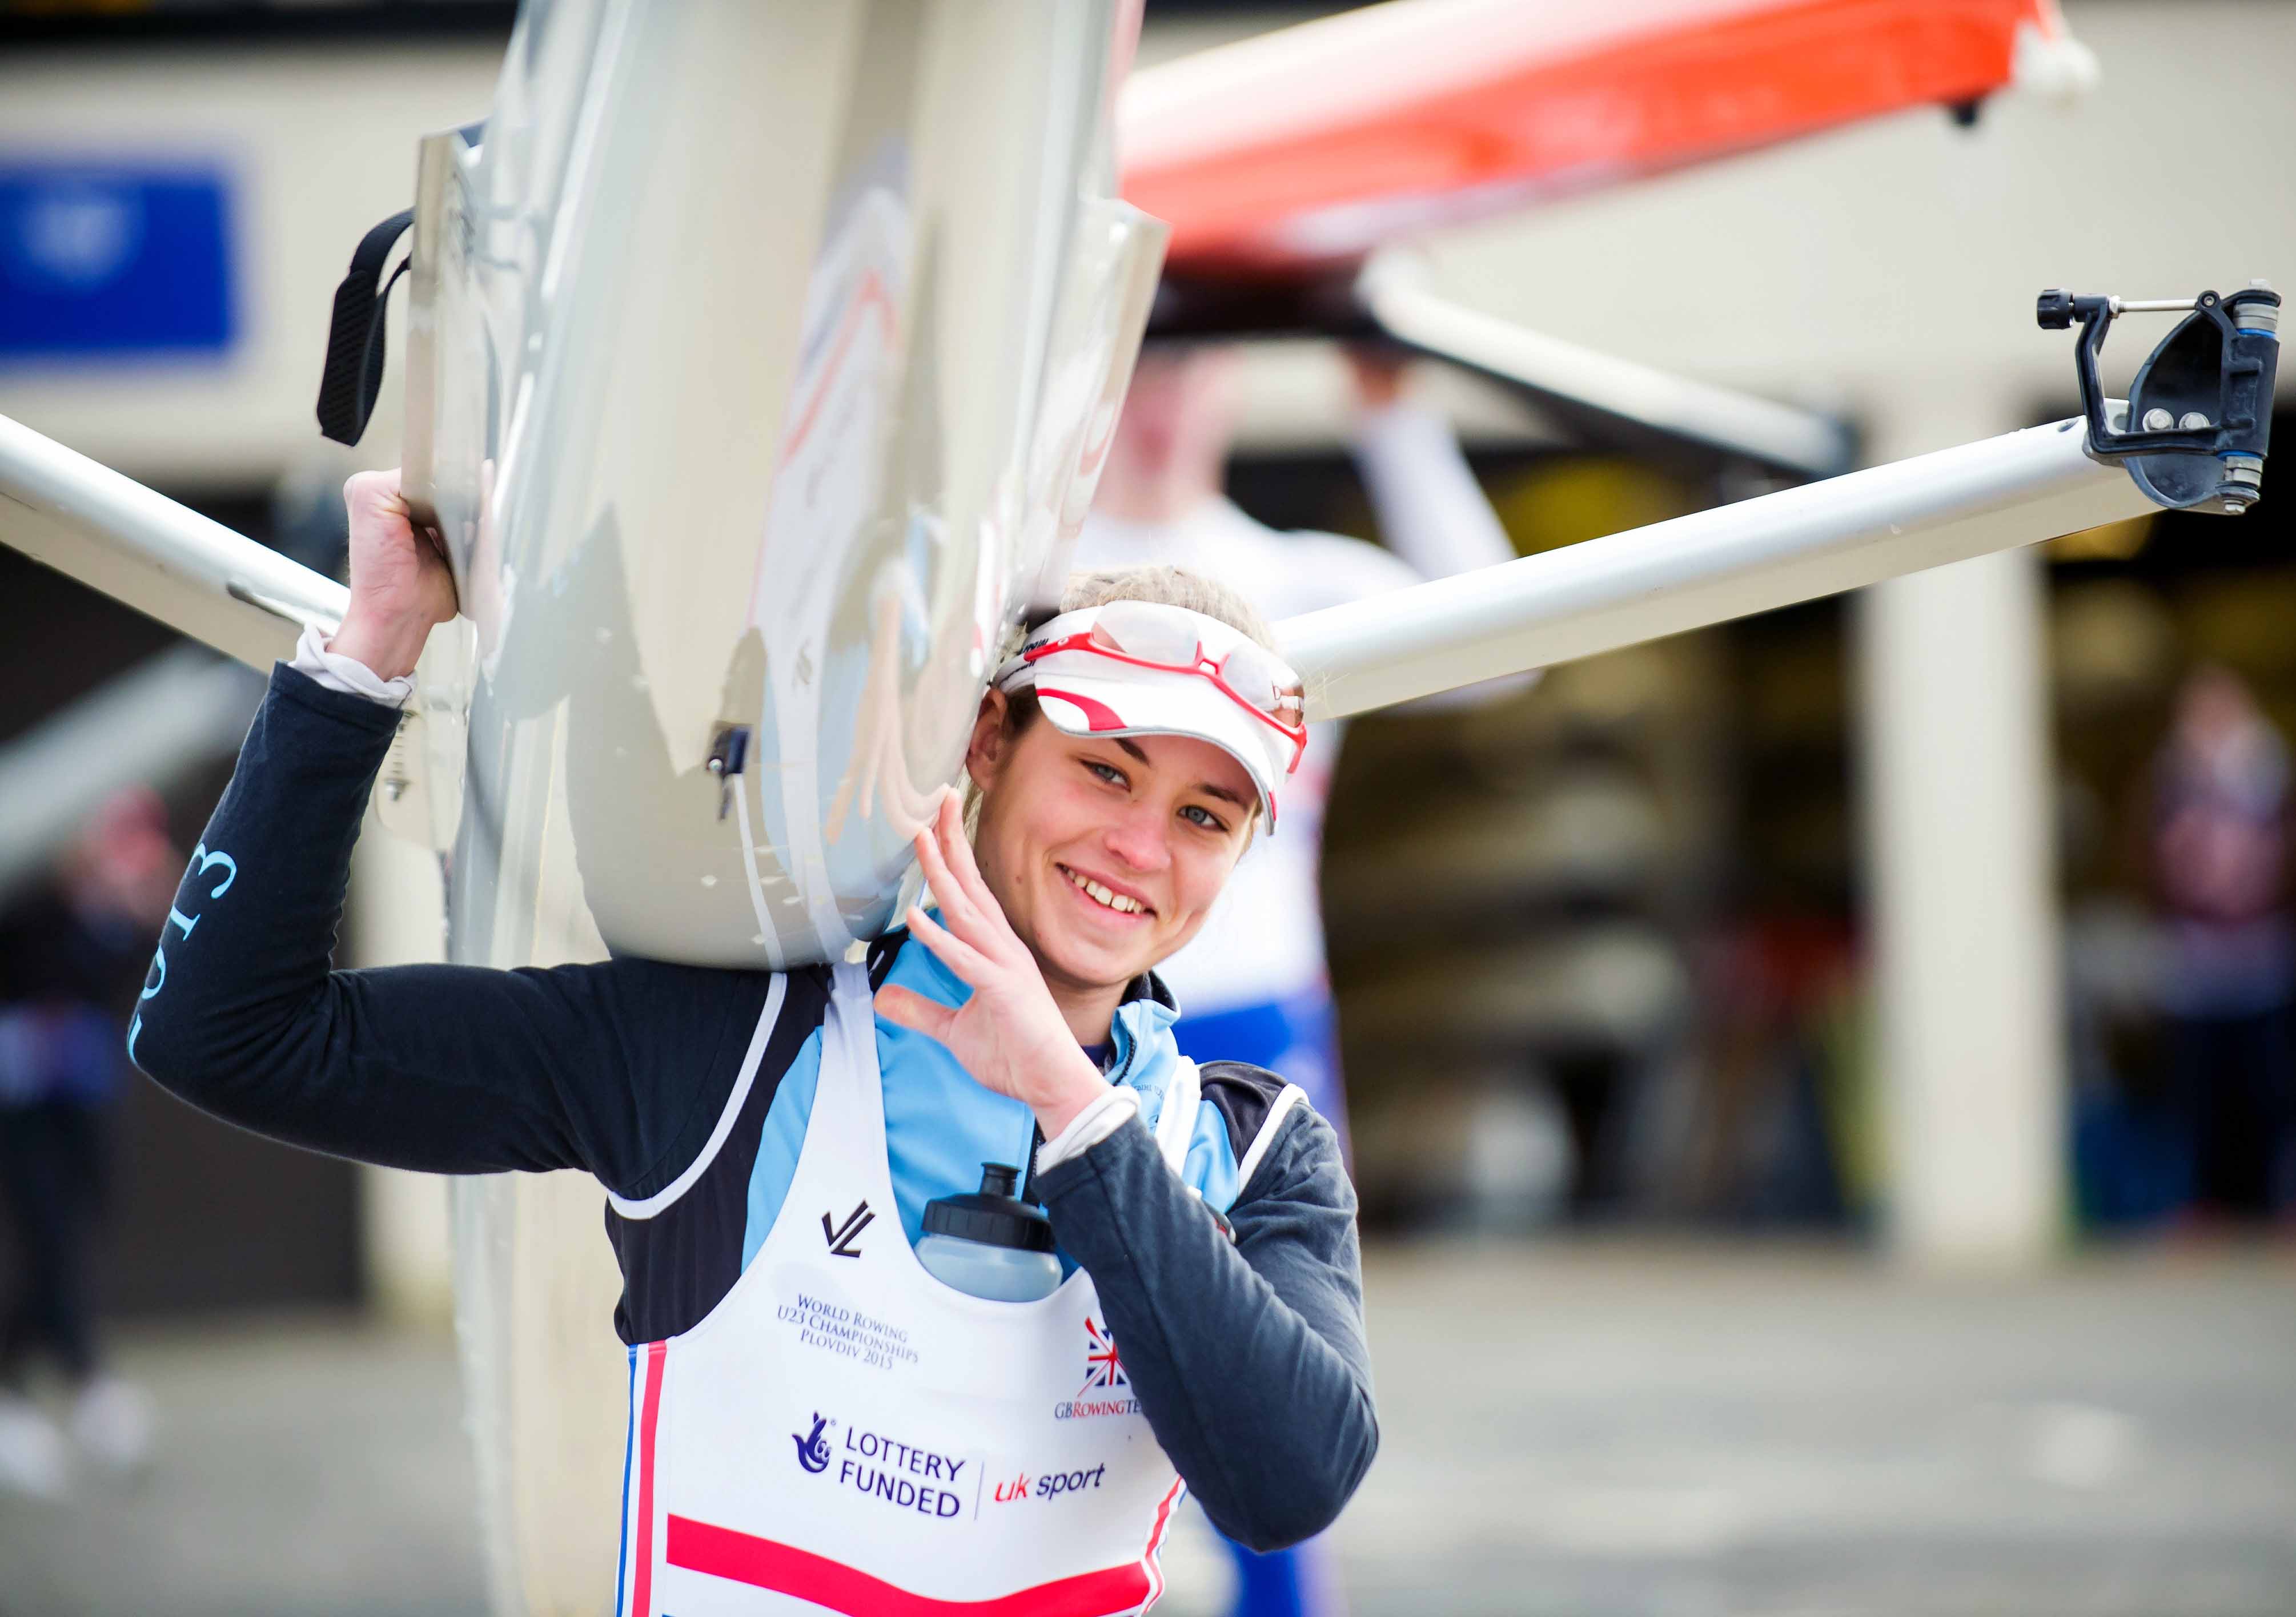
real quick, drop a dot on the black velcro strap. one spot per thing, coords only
(353, 375)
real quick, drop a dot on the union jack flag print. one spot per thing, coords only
(1101, 1365)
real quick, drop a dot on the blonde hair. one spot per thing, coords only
(1167, 586)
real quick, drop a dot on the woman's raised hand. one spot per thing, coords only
(400, 582)
(1009, 1035)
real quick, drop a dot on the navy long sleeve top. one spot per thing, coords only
(1244, 1340)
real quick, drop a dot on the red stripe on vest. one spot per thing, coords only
(641, 1579)
(1148, 1561)
(721, 1552)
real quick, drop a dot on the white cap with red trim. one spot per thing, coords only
(1143, 668)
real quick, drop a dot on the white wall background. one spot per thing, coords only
(1887, 267)
(319, 145)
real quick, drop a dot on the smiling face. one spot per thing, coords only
(1105, 854)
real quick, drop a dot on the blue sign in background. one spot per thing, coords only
(114, 261)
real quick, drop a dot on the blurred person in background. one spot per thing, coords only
(2220, 829)
(1252, 985)
(72, 955)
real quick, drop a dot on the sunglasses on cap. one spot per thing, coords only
(1174, 640)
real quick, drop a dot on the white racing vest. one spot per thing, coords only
(844, 1432)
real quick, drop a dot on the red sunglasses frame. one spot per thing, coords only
(1204, 667)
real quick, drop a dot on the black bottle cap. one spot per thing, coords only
(992, 1215)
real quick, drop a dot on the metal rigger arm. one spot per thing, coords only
(2201, 403)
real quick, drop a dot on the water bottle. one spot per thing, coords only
(990, 1243)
